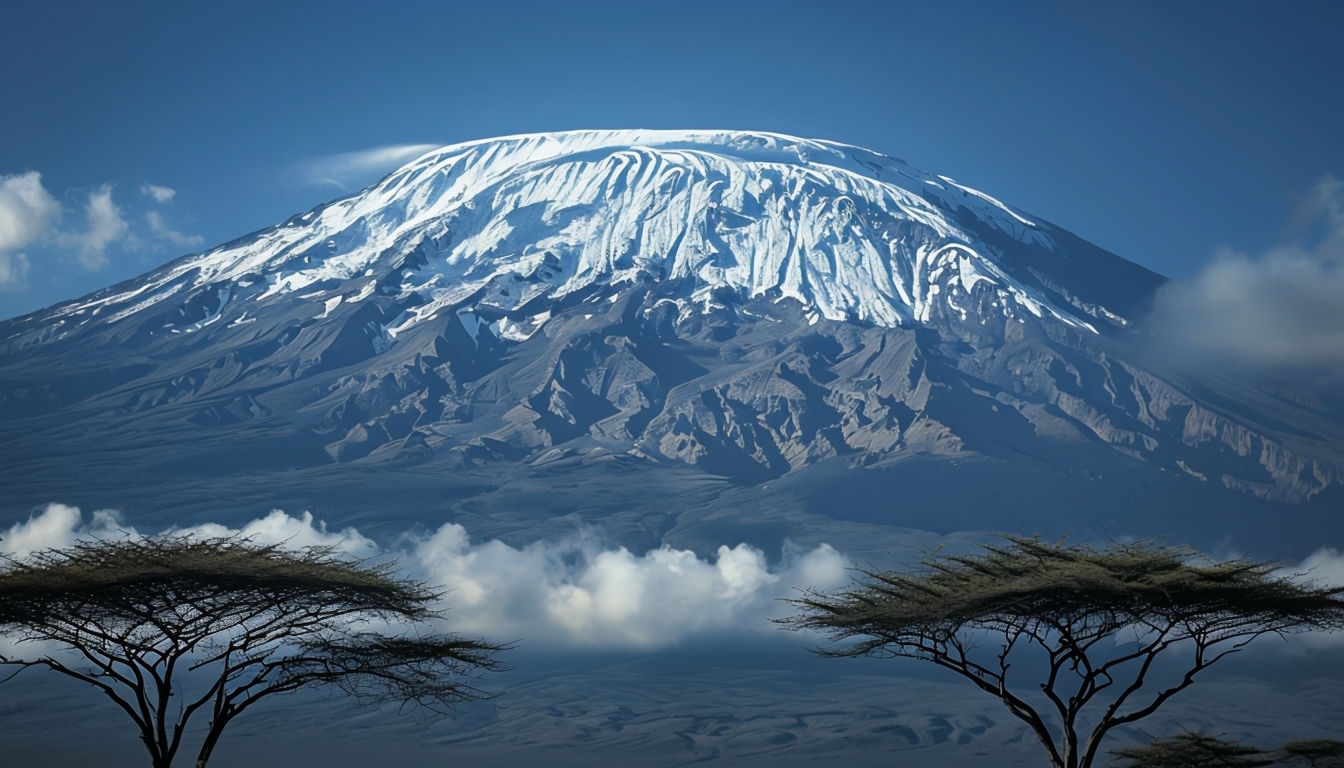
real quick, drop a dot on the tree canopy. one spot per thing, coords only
(172, 626)
(1192, 750)
(1317, 752)
(1098, 619)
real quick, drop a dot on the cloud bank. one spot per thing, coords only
(1279, 315)
(350, 170)
(576, 593)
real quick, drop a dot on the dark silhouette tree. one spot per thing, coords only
(171, 627)
(1192, 750)
(1098, 621)
(1317, 752)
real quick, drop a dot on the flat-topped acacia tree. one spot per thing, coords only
(1317, 752)
(1097, 619)
(171, 627)
(1192, 750)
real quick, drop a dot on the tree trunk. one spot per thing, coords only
(211, 739)
(158, 753)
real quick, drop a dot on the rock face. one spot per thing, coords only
(514, 330)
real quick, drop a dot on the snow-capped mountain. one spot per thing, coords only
(701, 312)
(847, 233)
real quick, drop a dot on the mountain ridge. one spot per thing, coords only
(739, 308)
(410, 210)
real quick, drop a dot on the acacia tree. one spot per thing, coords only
(1314, 751)
(1192, 750)
(1097, 619)
(171, 627)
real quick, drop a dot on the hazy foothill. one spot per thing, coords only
(616, 392)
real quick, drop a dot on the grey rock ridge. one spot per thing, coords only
(675, 336)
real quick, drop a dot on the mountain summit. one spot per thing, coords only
(567, 317)
(849, 234)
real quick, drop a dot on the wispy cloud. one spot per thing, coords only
(159, 229)
(14, 269)
(27, 212)
(350, 170)
(572, 593)
(37, 239)
(105, 226)
(162, 195)
(1279, 314)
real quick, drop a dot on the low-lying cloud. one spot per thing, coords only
(1325, 566)
(578, 592)
(1279, 315)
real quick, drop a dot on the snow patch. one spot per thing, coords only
(850, 234)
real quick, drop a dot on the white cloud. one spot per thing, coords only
(162, 195)
(572, 593)
(58, 525)
(281, 528)
(29, 215)
(160, 229)
(27, 212)
(1279, 314)
(13, 270)
(354, 169)
(575, 593)
(105, 226)
(1324, 566)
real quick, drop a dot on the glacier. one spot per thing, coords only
(850, 234)
(718, 310)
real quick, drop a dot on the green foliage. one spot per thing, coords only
(1192, 750)
(1072, 604)
(142, 617)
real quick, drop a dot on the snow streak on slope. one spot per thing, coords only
(848, 233)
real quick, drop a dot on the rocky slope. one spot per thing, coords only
(542, 325)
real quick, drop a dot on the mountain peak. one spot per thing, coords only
(850, 234)
(693, 310)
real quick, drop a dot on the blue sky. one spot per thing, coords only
(1164, 131)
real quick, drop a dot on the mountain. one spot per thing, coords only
(677, 336)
